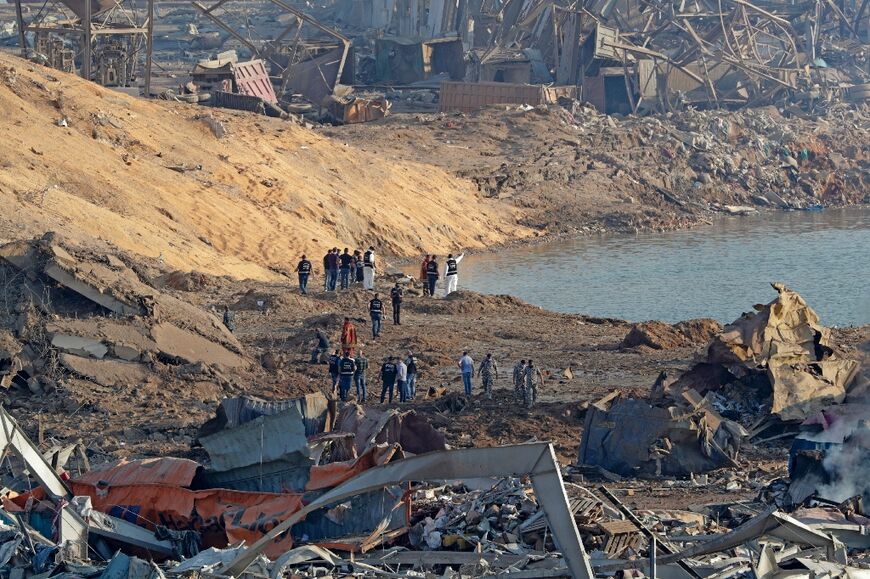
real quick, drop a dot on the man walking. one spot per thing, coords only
(376, 310)
(321, 347)
(432, 274)
(411, 363)
(488, 372)
(344, 265)
(388, 377)
(359, 377)
(531, 379)
(303, 268)
(347, 368)
(519, 376)
(451, 276)
(424, 268)
(396, 298)
(402, 379)
(369, 269)
(334, 362)
(466, 366)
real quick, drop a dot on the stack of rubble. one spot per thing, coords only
(83, 317)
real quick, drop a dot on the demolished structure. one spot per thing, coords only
(768, 371)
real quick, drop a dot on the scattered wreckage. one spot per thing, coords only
(313, 506)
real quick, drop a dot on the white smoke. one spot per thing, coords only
(849, 463)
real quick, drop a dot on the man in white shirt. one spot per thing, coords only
(402, 379)
(451, 273)
(369, 269)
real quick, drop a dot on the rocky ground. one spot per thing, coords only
(159, 413)
(585, 172)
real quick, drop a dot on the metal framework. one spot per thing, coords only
(117, 29)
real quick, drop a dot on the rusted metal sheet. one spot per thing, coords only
(468, 96)
(252, 79)
(164, 471)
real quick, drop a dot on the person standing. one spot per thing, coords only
(321, 347)
(396, 299)
(519, 376)
(229, 319)
(411, 363)
(531, 379)
(359, 266)
(334, 361)
(402, 380)
(359, 377)
(303, 268)
(451, 275)
(466, 366)
(424, 269)
(376, 311)
(334, 263)
(326, 259)
(488, 372)
(432, 275)
(344, 267)
(346, 368)
(388, 377)
(369, 269)
(348, 337)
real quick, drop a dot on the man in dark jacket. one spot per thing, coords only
(344, 261)
(303, 268)
(388, 377)
(432, 275)
(346, 370)
(334, 361)
(376, 311)
(396, 298)
(321, 347)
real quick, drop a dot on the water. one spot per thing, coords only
(716, 271)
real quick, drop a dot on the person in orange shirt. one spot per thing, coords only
(423, 271)
(348, 337)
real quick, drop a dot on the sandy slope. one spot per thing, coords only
(266, 192)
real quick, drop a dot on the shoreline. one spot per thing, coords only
(395, 262)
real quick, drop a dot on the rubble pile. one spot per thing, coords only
(579, 170)
(765, 372)
(778, 363)
(92, 318)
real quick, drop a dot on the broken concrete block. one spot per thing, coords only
(60, 275)
(79, 346)
(105, 372)
(183, 345)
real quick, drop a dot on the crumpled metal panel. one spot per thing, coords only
(164, 471)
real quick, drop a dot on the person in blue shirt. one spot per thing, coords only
(466, 366)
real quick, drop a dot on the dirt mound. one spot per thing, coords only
(699, 331)
(662, 336)
(462, 302)
(152, 179)
(654, 334)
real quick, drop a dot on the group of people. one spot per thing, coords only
(430, 273)
(350, 369)
(341, 269)
(526, 376)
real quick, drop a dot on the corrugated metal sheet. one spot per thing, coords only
(359, 515)
(314, 409)
(468, 96)
(165, 471)
(252, 79)
(262, 440)
(288, 475)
